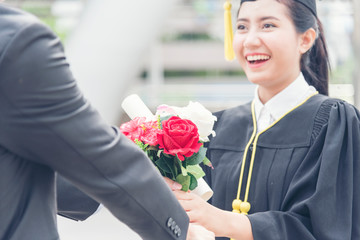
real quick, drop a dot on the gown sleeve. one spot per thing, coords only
(323, 199)
(47, 121)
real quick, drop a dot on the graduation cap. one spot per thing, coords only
(310, 4)
(228, 38)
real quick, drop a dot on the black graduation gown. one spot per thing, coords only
(306, 174)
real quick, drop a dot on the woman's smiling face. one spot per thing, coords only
(267, 45)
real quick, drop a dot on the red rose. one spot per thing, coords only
(179, 137)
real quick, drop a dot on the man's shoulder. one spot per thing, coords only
(14, 19)
(12, 22)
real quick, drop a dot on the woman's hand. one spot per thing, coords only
(172, 184)
(222, 223)
(199, 211)
(197, 232)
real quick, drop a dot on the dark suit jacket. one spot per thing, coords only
(46, 125)
(72, 202)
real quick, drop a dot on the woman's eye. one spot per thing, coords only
(241, 27)
(268, 25)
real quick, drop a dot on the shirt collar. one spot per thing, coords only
(285, 100)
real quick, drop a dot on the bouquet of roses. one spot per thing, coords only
(173, 140)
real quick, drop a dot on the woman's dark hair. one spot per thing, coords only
(314, 63)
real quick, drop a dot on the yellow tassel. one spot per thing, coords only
(236, 204)
(228, 38)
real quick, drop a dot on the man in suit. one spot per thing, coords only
(46, 125)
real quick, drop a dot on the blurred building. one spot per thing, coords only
(170, 51)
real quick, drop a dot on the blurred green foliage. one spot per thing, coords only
(343, 74)
(197, 73)
(43, 12)
(188, 36)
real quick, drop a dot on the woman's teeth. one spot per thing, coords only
(255, 58)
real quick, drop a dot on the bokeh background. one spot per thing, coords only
(170, 51)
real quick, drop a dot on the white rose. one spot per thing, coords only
(199, 115)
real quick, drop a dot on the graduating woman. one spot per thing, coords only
(286, 165)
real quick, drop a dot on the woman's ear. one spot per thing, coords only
(307, 40)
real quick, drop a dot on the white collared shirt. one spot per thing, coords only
(282, 102)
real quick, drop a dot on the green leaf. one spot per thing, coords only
(152, 155)
(141, 144)
(193, 182)
(184, 171)
(197, 158)
(207, 162)
(170, 161)
(161, 164)
(180, 164)
(196, 171)
(166, 163)
(161, 171)
(159, 153)
(184, 181)
(152, 148)
(161, 119)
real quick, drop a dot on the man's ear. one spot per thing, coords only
(307, 40)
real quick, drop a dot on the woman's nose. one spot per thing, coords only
(252, 39)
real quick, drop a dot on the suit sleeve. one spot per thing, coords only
(50, 122)
(322, 201)
(73, 203)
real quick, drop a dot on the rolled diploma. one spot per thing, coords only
(135, 107)
(203, 190)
